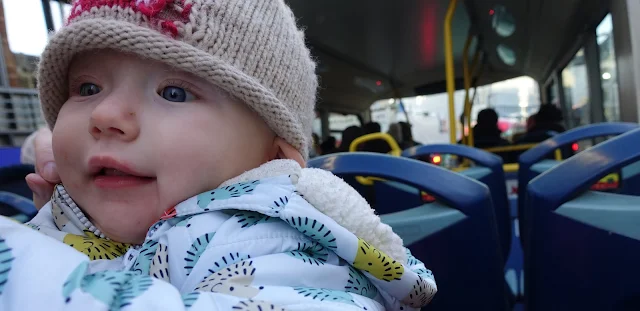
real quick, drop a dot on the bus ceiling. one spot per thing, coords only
(374, 49)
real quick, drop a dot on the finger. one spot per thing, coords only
(45, 165)
(42, 190)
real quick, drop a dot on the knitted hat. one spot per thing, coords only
(250, 48)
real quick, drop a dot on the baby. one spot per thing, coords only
(155, 103)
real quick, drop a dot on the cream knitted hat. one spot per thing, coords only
(250, 48)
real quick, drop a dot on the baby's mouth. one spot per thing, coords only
(111, 178)
(113, 172)
(109, 173)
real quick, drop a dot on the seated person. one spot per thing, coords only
(545, 124)
(182, 174)
(486, 133)
(349, 134)
(328, 146)
(407, 136)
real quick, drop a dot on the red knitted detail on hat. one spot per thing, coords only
(153, 8)
(186, 11)
(170, 27)
(159, 12)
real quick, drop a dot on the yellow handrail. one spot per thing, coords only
(510, 148)
(510, 167)
(465, 70)
(469, 102)
(395, 151)
(467, 85)
(395, 148)
(557, 153)
(449, 68)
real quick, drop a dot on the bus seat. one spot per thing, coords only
(489, 172)
(584, 245)
(9, 156)
(534, 161)
(456, 236)
(15, 193)
(384, 196)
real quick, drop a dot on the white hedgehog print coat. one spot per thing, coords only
(275, 238)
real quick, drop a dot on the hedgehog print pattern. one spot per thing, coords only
(323, 294)
(142, 263)
(6, 259)
(234, 280)
(248, 219)
(189, 299)
(310, 252)
(377, 263)
(160, 264)
(314, 230)
(228, 260)
(420, 295)
(228, 192)
(196, 250)
(360, 284)
(252, 305)
(95, 247)
(115, 289)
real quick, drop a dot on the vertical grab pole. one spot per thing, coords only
(449, 68)
(467, 84)
(468, 103)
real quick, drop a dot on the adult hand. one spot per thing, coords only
(46, 176)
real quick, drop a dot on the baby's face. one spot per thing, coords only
(136, 137)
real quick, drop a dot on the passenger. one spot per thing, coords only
(395, 131)
(546, 124)
(486, 133)
(378, 145)
(329, 146)
(531, 122)
(153, 104)
(407, 136)
(349, 134)
(371, 127)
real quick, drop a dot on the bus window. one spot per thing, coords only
(552, 93)
(339, 122)
(514, 100)
(576, 90)
(608, 69)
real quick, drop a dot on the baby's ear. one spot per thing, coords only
(286, 151)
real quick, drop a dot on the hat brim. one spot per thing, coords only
(92, 34)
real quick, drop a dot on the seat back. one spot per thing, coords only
(9, 156)
(456, 236)
(533, 162)
(584, 245)
(488, 171)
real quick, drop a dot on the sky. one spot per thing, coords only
(26, 28)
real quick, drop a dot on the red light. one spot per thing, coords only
(436, 159)
(575, 147)
(491, 12)
(378, 83)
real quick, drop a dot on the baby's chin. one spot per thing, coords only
(119, 226)
(123, 234)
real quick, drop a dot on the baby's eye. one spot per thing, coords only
(89, 89)
(176, 94)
